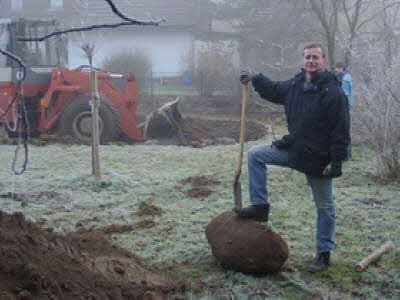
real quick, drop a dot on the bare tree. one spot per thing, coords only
(344, 21)
(212, 68)
(269, 33)
(377, 115)
(327, 12)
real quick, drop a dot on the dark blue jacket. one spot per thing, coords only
(317, 115)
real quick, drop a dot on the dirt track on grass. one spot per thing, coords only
(196, 132)
(197, 186)
(204, 132)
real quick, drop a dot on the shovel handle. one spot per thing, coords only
(245, 101)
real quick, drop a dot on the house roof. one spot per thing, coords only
(177, 13)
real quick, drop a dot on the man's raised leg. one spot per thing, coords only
(258, 159)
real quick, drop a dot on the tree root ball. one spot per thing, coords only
(245, 245)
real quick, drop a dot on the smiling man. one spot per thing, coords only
(318, 123)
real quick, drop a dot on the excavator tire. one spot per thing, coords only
(76, 121)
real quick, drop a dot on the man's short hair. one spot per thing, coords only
(315, 45)
(340, 64)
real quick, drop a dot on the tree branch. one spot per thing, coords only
(128, 21)
(320, 14)
(376, 14)
(395, 97)
(17, 59)
(40, 39)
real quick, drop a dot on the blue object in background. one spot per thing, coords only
(186, 78)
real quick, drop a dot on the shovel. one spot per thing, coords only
(237, 187)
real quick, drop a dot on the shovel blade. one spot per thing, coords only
(237, 192)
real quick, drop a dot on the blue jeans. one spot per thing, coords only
(349, 151)
(349, 148)
(261, 156)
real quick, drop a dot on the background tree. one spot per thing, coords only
(136, 61)
(327, 13)
(376, 62)
(343, 22)
(270, 33)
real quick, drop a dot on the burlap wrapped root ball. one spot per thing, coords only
(245, 245)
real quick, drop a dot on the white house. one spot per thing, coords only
(166, 44)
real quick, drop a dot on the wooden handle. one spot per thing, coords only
(245, 101)
(362, 265)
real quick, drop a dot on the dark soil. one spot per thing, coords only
(115, 228)
(196, 132)
(201, 180)
(245, 245)
(43, 140)
(146, 209)
(199, 186)
(203, 132)
(199, 192)
(37, 197)
(372, 201)
(145, 224)
(38, 264)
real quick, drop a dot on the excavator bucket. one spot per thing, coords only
(164, 122)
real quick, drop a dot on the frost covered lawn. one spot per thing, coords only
(368, 215)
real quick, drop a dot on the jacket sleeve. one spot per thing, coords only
(339, 123)
(273, 91)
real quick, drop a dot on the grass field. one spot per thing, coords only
(368, 214)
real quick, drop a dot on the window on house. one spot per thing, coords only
(16, 4)
(56, 4)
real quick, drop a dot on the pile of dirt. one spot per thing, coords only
(199, 186)
(245, 245)
(195, 132)
(38, 264)
(201, 180)
(199, 132)
(147, 209)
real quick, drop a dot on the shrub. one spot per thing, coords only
(377, 113)
(137, 62)
(212, 69)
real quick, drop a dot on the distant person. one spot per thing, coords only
(186, 78)
(318, 123)
(344, 78)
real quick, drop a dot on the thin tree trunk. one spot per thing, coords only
(95, 124)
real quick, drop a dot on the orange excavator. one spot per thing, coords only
(57, 99)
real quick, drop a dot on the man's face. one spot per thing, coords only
(340, 70)
(313, 60)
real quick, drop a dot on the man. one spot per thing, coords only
(318, 123)
(347, 85)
